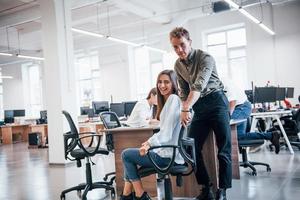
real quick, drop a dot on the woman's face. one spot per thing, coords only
(164, 85)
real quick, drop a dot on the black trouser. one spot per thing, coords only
(212, 112)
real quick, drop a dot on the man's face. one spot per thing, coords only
(182, 47)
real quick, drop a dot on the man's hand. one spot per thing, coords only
(185, 118)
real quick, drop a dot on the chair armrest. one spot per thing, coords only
(84, 149)
(69, 146)
(188, 157)
(88, 133)
(163, 170)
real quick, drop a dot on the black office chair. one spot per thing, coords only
(110, 120)
(75, 145)
(243, 144)
(186, 148)
(291, 125)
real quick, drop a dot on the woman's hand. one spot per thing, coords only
(144, 148)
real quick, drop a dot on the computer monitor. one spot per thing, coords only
(19, 113)
(87, 111)
(265, 94)
(43, 117)
(289, 92)
(100, 106)
(129, 105)
(118, 108)
(280, 93)
(8, 116)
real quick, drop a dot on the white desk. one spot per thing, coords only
(273, 115)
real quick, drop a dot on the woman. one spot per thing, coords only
(142, 111)
(168, 112)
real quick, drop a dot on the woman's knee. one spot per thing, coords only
(127, 154)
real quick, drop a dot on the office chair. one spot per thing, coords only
(75, 145)
(291, 125)
(243, 144)
(110, 120)
(186, 148)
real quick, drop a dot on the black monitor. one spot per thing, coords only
(100, 106)
(265, 94)
(19, 113)
(87, 111)
(289, 92)
(280, 94)
(8, 116)
(118, 108)
(43, 117)
(129, 105)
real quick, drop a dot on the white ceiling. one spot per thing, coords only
(133, 20)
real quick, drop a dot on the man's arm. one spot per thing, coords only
(185, 116)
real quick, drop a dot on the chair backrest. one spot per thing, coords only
(110, 120)
(70, 138)
(186, 148)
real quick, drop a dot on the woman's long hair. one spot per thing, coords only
(160, 99)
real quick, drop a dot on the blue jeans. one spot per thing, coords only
(132, 159)
(212, 113)
(242, 111)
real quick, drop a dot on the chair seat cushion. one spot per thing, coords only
(174, 170)
(250, 143)
(79, 153)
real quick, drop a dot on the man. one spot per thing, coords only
(240, 108)
(202, 90)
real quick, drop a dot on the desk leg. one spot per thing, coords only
(284, 135)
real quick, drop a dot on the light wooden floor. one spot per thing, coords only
(26, 175)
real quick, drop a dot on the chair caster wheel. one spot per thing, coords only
(113, 193)
(62, 197)
(254, 173)
(269, 169)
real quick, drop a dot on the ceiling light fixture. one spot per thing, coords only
(6, 77)
(122, 41)
(117, 40)
(87, 33)
(30, 57)
(249, 16)
(5, 54)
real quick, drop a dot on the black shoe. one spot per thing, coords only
(145, 196)
(206, 193)
(275, 140)
(221, 194)
(131, 196)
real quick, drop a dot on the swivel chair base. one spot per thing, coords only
(86, 188)
(251, 164)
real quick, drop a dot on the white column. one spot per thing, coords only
(59, 72)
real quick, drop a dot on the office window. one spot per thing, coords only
(142, 72)
(88, 78)
(228, 47)
(35, 90)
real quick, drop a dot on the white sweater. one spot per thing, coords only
(169, 128)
